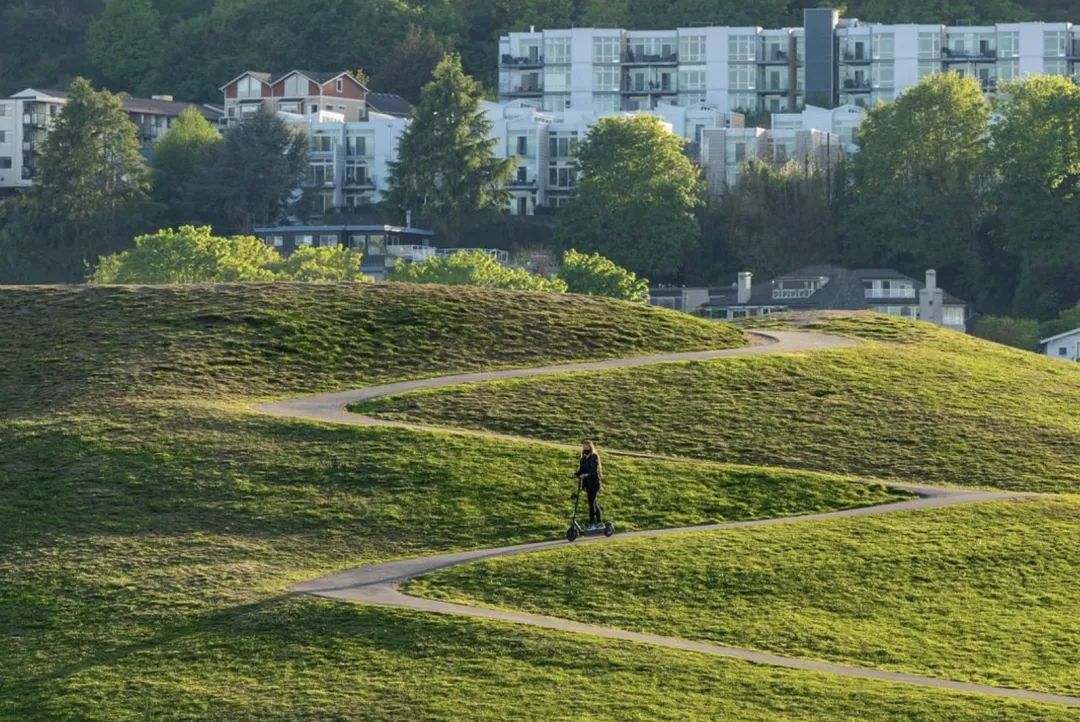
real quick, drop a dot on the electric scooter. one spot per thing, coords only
(576, 530)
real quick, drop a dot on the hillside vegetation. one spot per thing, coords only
(67, 346)
(985, 593)
(914, 402)
(150, 524)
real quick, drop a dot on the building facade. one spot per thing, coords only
(26, 117)
(1064, 346)
(725, 151)
(296, 92)
(828, 61)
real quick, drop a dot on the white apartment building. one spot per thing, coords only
(25, 119)
(724, 151)
(842, 121)
(828, 61)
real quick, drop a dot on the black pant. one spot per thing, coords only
(594, 508)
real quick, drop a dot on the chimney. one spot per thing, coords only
(162, 97)
(408, 219)
(931, 280)
(931, 300)
(743, 287)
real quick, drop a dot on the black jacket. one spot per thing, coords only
(589, 471)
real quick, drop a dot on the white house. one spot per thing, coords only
(1064, 346)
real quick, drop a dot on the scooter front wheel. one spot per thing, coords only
(609, 529)
(571, 534)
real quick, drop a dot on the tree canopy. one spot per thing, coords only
(125, 44)
(446, 170)
(180, 158)
(592, 274)
(474, 268)
(636, 198)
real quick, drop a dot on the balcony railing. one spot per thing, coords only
(650, 87)
(772, 91)
(502, 257)
(363, 182)
(38, 120)
(780, 294)
(410, 252)
(522, 61)
(856, 85)
(775, 56)
(632, 58)
(527, 89)
(522, 183)
(951, 55)
(851, 57)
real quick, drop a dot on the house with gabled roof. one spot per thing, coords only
(1064, 346)
(296, 92)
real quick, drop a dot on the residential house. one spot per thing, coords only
(296, 92)
(1064, 346)
(381, 245)
(827, 61)
(832, 288)
(27, 116)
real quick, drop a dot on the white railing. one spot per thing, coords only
(410, 252)
(783, 293)
(879, 292)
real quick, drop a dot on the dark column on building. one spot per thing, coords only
(819, 27)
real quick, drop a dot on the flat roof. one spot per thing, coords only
(345, 229)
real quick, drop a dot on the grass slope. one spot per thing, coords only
(913, 403)
(63, 345)
(149, 526)
(985, 593)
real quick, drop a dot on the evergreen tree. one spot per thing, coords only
(446, 170)
(89, 192)
(179, 160)
(125, 44)
(637, 197)
(253, 173)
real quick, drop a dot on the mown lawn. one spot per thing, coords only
(917, 404)
(66, 345)
(150, 526)
(983, 593)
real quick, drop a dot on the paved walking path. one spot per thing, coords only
(378, 584)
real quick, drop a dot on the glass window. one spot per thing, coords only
(321, 173)
(605, 102)
(355, 145)
(952, 315)
(248, 87)
(340, 86)
(741, 48)
(3, 110)
(882, 46)
(692, 49)
(1008, 44)
(1054, 44)
(691, 79)
(883, 75)
(327, 240)
(3, 136)
(356, 173)
(557, 50)
(376, 244)
(606, 78)
(928, 68)
(322, 143)
(556, 80)
(296, 86)
(929, 45)
(606, 50)
(554, 102)
(276, 241)
(742, 101)
(1055, 67)
(742, 77)
(304, 240)
(1007, 69)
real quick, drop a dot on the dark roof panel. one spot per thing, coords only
(389, 104)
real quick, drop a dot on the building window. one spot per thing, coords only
(322, 144)
(327, 240)
(929, 45)
(606, 78)
(692, 49)
(356, 174)
(606, 50)
(522, 145)
(340, 86)
(1008, 69)
(691, 80)
(561, 177)
(928, 68)
(5, 163)
(304, 240)
(355, 145)
(883, 75)
(1063, 350)
(882, 47)
(1054, 44)
(556, 80)
(557, 50)
(296, 86)
(276, 241)
(554, 103)
(3, 136)
(562, 146)
(1055, 67)
(248, 87)
(3, 110)
(321, 173)
(605, 103)
(952, 315)
(742, 77)
(741, 48)
(1008, 44)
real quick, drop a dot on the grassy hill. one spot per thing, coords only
(914, 402)
(985, 593)
(150, 524)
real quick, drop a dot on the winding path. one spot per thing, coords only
(378, 584)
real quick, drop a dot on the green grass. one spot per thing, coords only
(986, 593)
(916, 404)
(64, 347)
(149, 526)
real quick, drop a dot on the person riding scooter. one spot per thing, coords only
(590, 473)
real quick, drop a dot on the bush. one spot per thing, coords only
(474, 268)
(592, 274)
(1017, 332)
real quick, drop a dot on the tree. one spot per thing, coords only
(126, 44)
(1035, 153)
(179, 159)
(89, 194)
(410, 64)
(256, 169)
(636, 198)
(474, 268)
(1066, 320)
(774, 220)
(595, 275)
(188, 255)
(321, 264)
(1017, 332)
(916, 199)
(446, 170)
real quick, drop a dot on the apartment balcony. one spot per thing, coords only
(519, 61)
(852, 58)
(773, 91)
(1072, 50)
(36, 120)
(522, 184)
(777, 57)
(526, 90)
(988, 85)
(949, 55)
(632, 58)
(650, 88)
(856, 85)
(366, 182)
(411, 253)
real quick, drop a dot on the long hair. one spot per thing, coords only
(591, 447)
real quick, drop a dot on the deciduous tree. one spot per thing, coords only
(636, 198)
(592, 274)
(125, 44)
(179, 160)
(474, 268)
